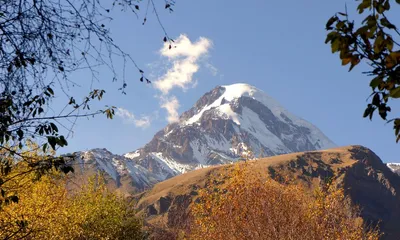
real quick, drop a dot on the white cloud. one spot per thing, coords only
(184, 57)
(142, 122)
(213, 70)
(130, 118)
(171, 104)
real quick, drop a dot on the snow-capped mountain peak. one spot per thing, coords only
(226, 124)
(229, 94)
(215, 129)
(226, 106)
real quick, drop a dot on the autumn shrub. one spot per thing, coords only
(249, 206)
(97, 213)
(46, 210)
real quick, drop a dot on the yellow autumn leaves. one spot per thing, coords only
(248, 206)
(46, 210)
(51, 213)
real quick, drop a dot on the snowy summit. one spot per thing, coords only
(224, 125)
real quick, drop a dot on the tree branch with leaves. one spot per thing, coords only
(375, 41)
(42, 43)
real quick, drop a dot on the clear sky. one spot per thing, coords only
(277, 46)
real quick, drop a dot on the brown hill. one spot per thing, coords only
(368, 182)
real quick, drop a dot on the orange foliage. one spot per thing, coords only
(248, 206)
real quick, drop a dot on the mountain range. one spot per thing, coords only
(225, 125)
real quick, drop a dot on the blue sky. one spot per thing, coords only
(277, 46)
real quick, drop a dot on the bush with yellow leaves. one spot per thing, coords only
(248, 206)
(45, 210)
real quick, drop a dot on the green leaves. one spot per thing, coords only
(110, 112)
(66, 169)
(393, 59)
(50, 91)
(5, 168)
(375, 82)
(7, 198)
(52, 141)
(396, 126)
(13, 199)
(373, 42)
(22, 224)
(379, 42)
(395, 93)
(385, 22)
(381, 6)
(376, 100)
(363, 5)
(55, 141)
(330, 22)
(10, 199)
(369, 111)
(54, 127)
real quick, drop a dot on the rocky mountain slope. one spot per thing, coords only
(121, 172)
(226, 124)
(367, 181)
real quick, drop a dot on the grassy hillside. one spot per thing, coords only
(362, 175)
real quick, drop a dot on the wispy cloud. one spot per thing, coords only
(171, 104)
(130, 118)
(185, 59)
(213, 70)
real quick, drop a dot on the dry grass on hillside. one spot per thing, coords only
(181, 184)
